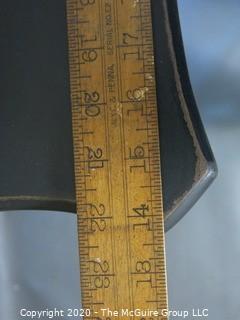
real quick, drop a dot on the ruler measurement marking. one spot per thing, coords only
(141, 18)
(76, 145)
(157, 146)
(120, 93)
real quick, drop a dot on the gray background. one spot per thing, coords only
(38, 252)
(203, 250)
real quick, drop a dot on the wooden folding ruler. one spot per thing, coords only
(117, 158)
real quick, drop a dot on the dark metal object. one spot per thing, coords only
(36, 162)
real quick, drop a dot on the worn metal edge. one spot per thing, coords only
(206, 167)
